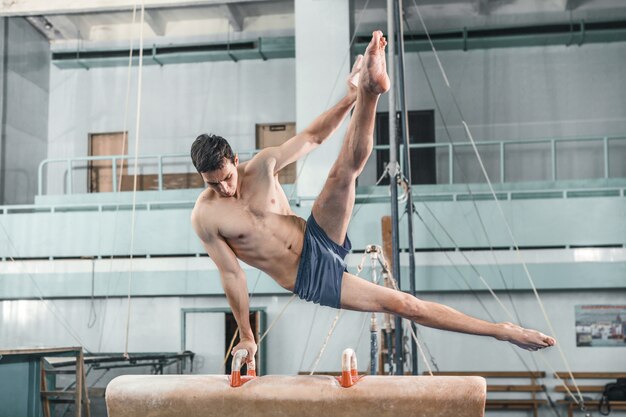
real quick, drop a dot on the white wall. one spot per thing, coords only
(322, 67)
(24, 118)
(525, 93)
(298, 335)
(178, 103)
(505, 94)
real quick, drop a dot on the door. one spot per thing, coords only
(268, 135)
(100, 173)
(421, 130)
(209, 334)
(231, 327)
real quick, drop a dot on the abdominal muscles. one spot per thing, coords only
(272, 244)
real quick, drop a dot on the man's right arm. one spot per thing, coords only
(233, 280)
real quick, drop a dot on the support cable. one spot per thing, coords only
(482, 223)
(404, 131)
(135, 177)
(121, 172)
(508, 227)
(40, 294)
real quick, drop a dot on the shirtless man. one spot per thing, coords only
(245, 214)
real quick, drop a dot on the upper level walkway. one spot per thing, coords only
(569, 229)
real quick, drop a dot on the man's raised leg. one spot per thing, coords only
(361, 295)
(333, 208)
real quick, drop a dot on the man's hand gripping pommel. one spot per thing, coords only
(248, 345)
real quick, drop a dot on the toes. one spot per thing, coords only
(378, 40)
(376, 36)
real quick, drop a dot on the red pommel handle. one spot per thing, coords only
(349, 372)
(236, 380)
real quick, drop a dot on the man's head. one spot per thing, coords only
(216, 163)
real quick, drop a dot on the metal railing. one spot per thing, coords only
(501, 145)
(73, 161)
(450, 147)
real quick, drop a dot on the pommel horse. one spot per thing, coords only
(349, 395)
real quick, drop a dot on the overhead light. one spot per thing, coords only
(46, 23)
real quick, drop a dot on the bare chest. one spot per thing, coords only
(252, 214)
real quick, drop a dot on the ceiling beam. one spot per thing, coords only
(233, 13)
(70, 27)
(573, 4)
(47, 7)
(155, 20)
(45, 27)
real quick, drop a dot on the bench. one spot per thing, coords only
(596, 389)
(525, 382)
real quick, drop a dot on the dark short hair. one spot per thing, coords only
(208, 152)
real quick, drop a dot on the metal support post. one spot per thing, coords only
(404, 132)
(393, 177)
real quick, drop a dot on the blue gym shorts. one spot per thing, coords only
(321, 267)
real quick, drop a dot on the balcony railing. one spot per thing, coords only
(452, 150)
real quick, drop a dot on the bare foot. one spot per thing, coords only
(374, 79)
(526, 338)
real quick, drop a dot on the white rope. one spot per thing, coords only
(359, 20)
(484, 230)
(293, 297)
(135, 175)
(545, 361)
(478, 274)
(332, 326)
(306, 343)
(127, 99)
(323, 348)
(50, 306)
(419, 348)
(121, 171)
(394, 283)
(499, 206)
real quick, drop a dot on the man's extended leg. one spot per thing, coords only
(333, 208)
(361, 295)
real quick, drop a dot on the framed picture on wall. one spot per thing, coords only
(601, 325)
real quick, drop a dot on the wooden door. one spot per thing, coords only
(276, 134)
(100, 177)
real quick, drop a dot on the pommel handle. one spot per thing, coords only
(236, 380)
(349, 371)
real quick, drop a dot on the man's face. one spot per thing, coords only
(224, 180)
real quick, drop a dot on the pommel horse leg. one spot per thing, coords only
(297, 396)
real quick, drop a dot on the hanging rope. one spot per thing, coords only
(330, 331)
(394, 283)
(325, 343)
(135, 177)
(121, 172)
(359, 20)
(40, 294)
(498, 205)
(467, 186)
(483, 228)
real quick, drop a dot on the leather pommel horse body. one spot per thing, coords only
(295, 396)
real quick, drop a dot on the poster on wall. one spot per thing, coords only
(601, 325)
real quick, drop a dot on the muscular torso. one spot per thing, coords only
(258, 224)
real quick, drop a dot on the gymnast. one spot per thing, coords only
(244, 213)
